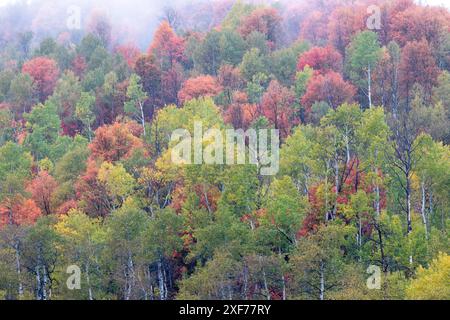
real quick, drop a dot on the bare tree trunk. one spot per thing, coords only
(88, 281)
(266, 287)
(336, 179)
(38, 283)
(408, 203)
(162, 294)
(245, 276)
(322, 282)
(142, 117)
(18, 268)
(423, 210)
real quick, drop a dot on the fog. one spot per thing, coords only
(131, 21)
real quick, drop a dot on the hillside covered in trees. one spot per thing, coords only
(359, 91)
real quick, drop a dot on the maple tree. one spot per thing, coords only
(276, 107)
(130, 52)
(344, 23)
(41, 189)
(321, 60)
(417, 65)
(265, 21)
(427, 23)
(202, 86)
(240, 113)
(314, 27)
(166, 46)
(21, 212)
(114, 142)
(330, 88)
(44, 72)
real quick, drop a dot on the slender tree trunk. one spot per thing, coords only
(142, 118)
(90, 132)
(245, 276)
(423, 210)
(380, 240)
(38, 283)
(18, 268)
(129, 277)
(88, 281)
(266, 287)
(44, 283)
(408, 203)
(162, 294)
(322, 282)
(347, 148)
(336, 180)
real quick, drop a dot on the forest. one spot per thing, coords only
(93, 208)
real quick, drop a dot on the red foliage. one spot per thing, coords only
(330, 88)
(150, 73)
(44, 72)
(230, 79)
(171, 82)
(418, 65)
(117, 141)
(67, 206)
(265, 20)
(129, 52)
(315, 216)
(240, 113)
(277, 107)
(344, 23)
(321, 60)
(418, 22)
(109, 107)
(314, 27)
(41, 189)
(202, 86)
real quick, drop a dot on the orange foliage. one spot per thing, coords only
(117, 141)
(23, 212)
(167, 46)
(92, 194)
(41, 189)
(202, 86)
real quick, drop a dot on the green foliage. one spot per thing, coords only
(360, 184)
(432, 283)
